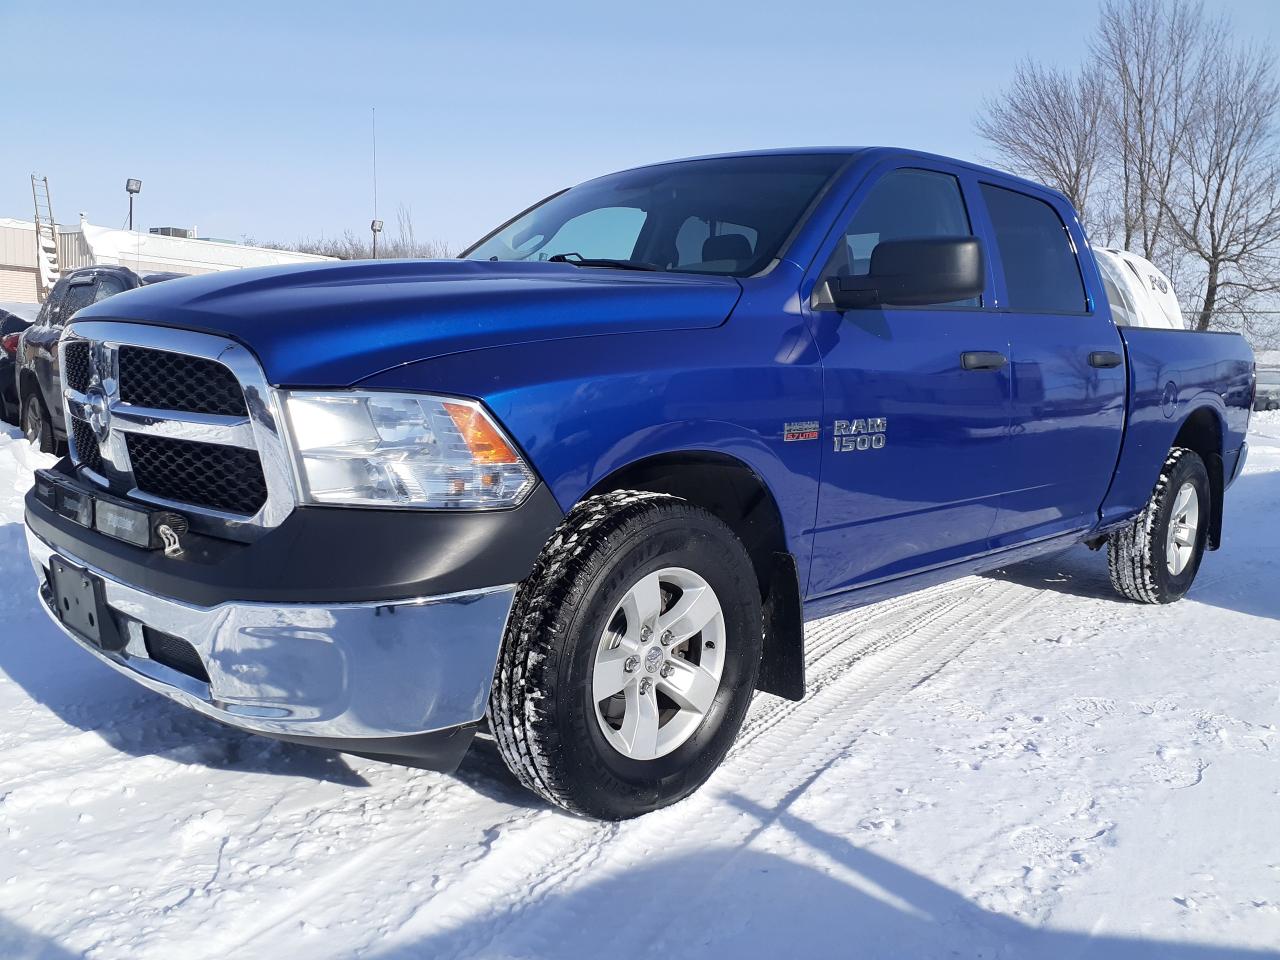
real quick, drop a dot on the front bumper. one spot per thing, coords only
(406, 679)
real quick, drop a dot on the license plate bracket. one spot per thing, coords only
(78, 598)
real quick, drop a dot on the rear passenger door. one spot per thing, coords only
(1067, 369)
(913, 441)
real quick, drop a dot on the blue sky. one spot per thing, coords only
(253, 119)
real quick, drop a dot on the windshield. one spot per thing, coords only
(726, 216)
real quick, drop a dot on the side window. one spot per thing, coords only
(904, 204)
(79, 295)
(1041, 273)
(49, 309)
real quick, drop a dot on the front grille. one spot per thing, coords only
(175, 381)
(85, 445)
(186, 431)
(75, 366)
(201, 474)
(175, 653)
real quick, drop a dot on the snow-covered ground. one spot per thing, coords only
(1016, 765)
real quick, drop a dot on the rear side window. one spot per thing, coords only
(1041, 273)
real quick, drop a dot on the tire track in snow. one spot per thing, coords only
(785, 747)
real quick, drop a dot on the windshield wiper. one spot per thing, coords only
(578, 260)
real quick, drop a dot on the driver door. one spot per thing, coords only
(913, 438)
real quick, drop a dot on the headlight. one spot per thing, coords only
(403, 450)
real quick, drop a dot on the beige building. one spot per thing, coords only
(86, 245)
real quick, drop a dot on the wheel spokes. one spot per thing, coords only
(611, 673)
(1183, 498)
(641, 605)
(692, 687)
(640, 723)
(693, 611)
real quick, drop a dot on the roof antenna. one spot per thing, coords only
(375, 225)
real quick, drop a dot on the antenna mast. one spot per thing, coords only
(375, 225)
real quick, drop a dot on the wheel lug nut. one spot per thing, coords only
(646, 685)
(630, 664)
(667, 670)
(646, 634)
(666, 638)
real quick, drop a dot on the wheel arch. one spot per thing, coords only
(1202, 431)
(734, 492)
(28, 383)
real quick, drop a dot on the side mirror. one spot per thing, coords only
(912, 273)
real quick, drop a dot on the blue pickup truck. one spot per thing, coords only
(585, 483)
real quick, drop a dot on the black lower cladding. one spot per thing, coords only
(439, 750)
(325, 554)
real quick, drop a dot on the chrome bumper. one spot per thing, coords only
(356, 671)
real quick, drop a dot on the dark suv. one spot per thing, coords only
(39, 383)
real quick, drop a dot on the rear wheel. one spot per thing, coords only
(630, 657)
(1156, 557)
(37, 427)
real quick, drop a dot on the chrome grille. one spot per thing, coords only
(178, 419)
(175, 381)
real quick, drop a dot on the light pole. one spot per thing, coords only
(375, 227)
(132, 187)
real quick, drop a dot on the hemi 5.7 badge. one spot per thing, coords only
(801, 430)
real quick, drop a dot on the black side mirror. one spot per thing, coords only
(912, 273)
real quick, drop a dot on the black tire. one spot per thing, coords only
(540, 708)
(36, 424)
(1138, 555)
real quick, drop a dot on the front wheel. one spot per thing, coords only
(1156, 557)
(630, 656)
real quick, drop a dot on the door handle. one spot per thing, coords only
(1105, 359)
(982, 360)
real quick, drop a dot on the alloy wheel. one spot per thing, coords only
(1184, 522)
(658, 663)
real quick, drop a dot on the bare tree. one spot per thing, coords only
(1048, 125)
(1224, 207)
(1150, 52)
(1166, 141)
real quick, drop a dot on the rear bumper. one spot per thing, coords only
(404, 679)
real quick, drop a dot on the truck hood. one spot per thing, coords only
(334, 324)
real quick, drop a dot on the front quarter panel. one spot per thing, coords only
(582, 409)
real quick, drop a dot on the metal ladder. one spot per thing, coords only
(48, 263)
